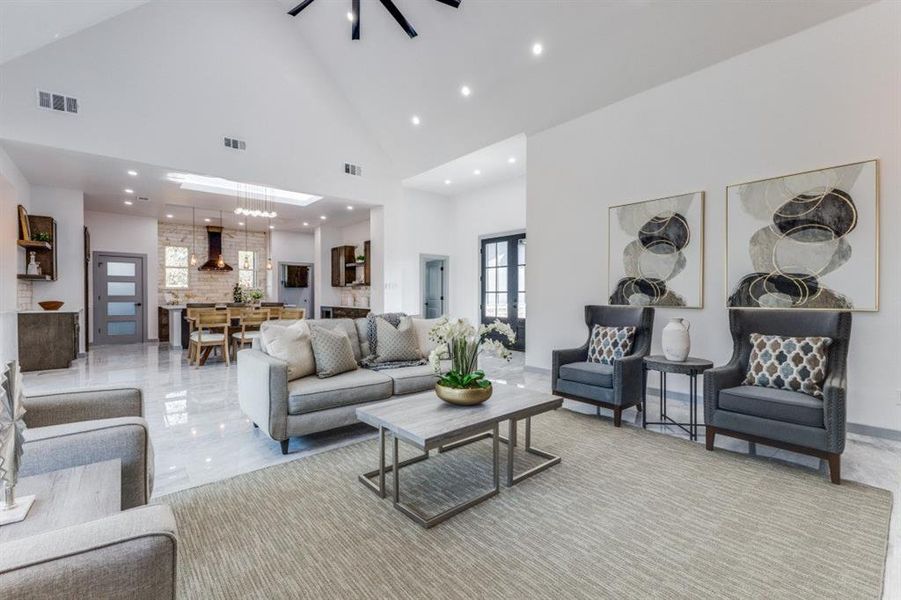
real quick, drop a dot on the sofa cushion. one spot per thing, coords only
(332, 350)
(291, 344)
(609, 344)
(770, 403)
(419, 378)
(310, 394)
(583, 390)
(796, 364)
(423, 327)
(345, 325)
(396, 344)
(590, 373)
(362, 326)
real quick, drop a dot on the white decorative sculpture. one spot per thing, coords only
(32, 267)
(12, 426)
(675, 340)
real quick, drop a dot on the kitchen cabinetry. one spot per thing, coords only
(344, 271)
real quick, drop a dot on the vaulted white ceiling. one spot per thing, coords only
(162, 83)
(595, 53)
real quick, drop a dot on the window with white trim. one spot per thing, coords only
(176, 267)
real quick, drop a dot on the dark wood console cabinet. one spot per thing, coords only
(47, 340)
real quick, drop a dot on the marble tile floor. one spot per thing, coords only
(200, 435)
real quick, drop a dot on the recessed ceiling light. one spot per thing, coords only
(305, 224)
(447, 182)
(415, 120)
(477, 172)
(537, 49)
(323, 217)
(132, 172)
(129, 191)
(207, 220)
(350, 16)
(350, 208)
(128, 203)
(169, 216)
(511, 160)
(272, 227)
(465, 91)
(240, 224)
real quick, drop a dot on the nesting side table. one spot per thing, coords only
(692, 367)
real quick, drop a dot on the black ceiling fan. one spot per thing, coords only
(389, 6)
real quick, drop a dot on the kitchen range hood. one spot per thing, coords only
(215, 262)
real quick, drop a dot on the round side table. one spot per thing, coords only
(691, 366)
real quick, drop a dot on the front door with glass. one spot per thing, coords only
(118, 299)
(503, 283)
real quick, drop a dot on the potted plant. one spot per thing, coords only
(361, 258)
(254, 295)
(462, 342)
(238, 294)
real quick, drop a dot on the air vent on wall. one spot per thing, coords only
(235, 144)
(351, 169)
(57, 102)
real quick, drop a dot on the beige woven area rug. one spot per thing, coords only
(627, 514)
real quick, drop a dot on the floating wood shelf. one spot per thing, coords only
(34, 277)
(34, 244)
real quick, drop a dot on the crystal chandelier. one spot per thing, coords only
(254, 202)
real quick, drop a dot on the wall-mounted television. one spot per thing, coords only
(296, 276)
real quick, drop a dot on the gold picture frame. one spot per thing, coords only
(697, 233)
(24, 225)
(872, 220)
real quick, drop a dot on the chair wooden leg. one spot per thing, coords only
(835, 467)
(710, 436)
(617, 416)
(284, 444)
(225, 351)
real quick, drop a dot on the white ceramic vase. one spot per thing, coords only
(675, 339)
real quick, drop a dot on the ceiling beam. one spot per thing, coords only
(355, 26)
(404, 24)
(296, 10)
(453, 3)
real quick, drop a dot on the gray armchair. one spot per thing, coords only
(616, 386)
(781, 418)
(69, 429)
(131, 554)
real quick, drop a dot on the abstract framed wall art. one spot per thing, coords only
(656, 252)
(805, 241)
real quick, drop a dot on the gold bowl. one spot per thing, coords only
(463, 397)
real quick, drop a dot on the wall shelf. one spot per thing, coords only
(34, 244)
(34, 277)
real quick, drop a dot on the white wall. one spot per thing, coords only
(14, 190)
(326, 238)
(67, 207)
(826, 96)
(131, 235)
(415, 223)
(496, 210)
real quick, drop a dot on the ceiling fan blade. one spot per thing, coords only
(453, 3)
(405, 25)
(296, 10)
(355, 27)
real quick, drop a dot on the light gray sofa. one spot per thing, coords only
(285, 409)
(131, 554)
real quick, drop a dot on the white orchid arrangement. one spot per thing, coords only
(462, 342)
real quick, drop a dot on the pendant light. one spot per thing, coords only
(220, 262)
(246, 255)
(193, 239)
(269, 247)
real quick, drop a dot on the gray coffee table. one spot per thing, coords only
(428, 423)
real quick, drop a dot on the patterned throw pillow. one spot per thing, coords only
(609, 344)
(396, 343)
(788, 363)
(333, 351)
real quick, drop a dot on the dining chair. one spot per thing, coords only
(249, 321)
(293, 313)
(210, 330)
(275, 312)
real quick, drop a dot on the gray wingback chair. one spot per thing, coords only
(781, 418)
(616, 386)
